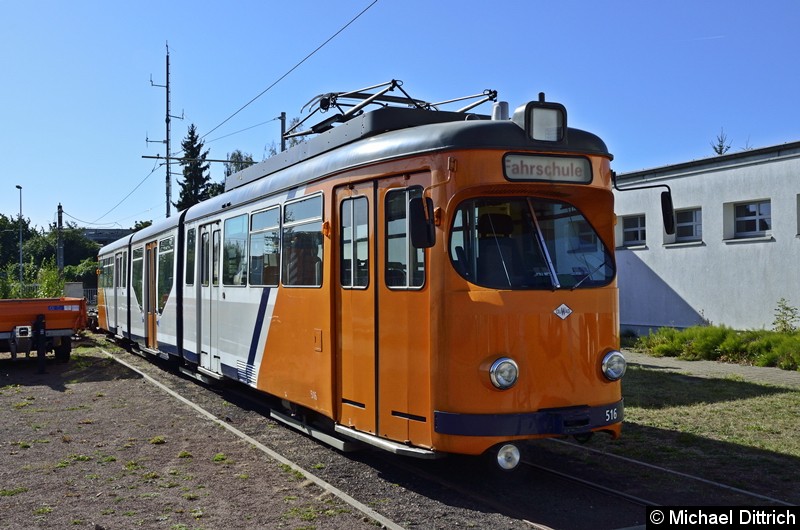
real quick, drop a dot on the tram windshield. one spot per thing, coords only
(527, 243)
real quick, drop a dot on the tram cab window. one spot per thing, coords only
(527, 243)
(302, 242)
(405, 264)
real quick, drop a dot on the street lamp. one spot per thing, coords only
(20, 239)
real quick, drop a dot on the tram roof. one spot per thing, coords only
(393, 132)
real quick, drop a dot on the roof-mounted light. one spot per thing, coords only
(543, 121)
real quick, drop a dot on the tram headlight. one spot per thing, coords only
(504, 373)
(614, 365)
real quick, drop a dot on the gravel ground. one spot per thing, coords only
(91, 444)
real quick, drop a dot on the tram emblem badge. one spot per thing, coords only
(563, 311)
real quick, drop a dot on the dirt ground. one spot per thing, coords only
(89, 444)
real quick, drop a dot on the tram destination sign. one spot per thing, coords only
(545, 167)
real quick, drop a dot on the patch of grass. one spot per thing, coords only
(158, 440)
(13, 491)
(219, 458)
(744, 428)
(304, 513)
(132, 465)
(185, 454)
(286, 468)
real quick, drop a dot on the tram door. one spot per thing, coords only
(208, 296)
(120, 290)
(355, 321)
(114, 315)
(383, 324)
(151, 295)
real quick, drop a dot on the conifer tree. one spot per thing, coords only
(196, 178)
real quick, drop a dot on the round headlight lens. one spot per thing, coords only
(614, 365)
(504, 373)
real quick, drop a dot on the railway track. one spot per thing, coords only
(551, 491)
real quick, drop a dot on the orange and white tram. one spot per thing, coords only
(426, 281)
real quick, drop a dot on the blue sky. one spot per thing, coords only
(657, 81)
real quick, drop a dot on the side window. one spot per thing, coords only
(137, 274)
(190, 253)
(753, 219)
(354, 237)
(302, 242)
(204, 247)
(689, 225)
(234, 258)
(405, 265)
(265, 247)
(633, 231)
(166, 261)
(108, 272)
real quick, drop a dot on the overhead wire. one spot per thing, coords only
(292, 69)
(318, 48)
(156, 166)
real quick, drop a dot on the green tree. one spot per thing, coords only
(722, 145)
(196, 176)
(786, 317)
(272, 150)
(77, 247)
(138, 225)
(237, 161)
(9, 239)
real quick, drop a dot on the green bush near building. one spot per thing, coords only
(720, 343)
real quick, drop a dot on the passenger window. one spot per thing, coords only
(302, 242)
(405, 265)
(265, 247)
(190, 252)
(354, 237)
(234, 248)
(166, 261)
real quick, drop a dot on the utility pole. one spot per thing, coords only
(167, 141)
(60, 248)
(20, 239)
(282, 117)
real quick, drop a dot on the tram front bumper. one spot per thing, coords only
(554, 422)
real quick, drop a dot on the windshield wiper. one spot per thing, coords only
(543, 247)
(589, 274)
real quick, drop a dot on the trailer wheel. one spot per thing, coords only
(63, 350)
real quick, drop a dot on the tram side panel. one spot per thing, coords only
(298, 352)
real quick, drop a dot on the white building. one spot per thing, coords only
(736, 250)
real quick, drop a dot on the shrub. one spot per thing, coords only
(758, 347)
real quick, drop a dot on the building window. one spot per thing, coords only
(752, 219)
(633, 231)
(689, 225)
